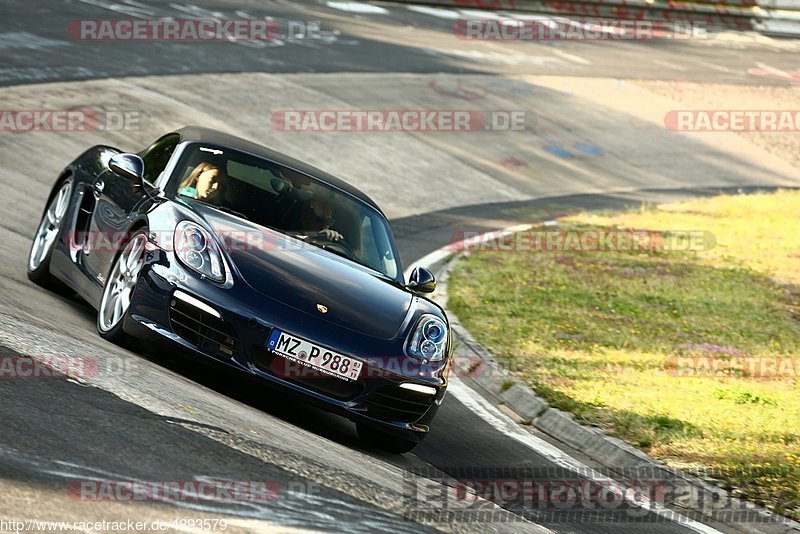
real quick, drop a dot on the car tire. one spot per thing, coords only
(383, 440)
(47, 234)
(118, 290)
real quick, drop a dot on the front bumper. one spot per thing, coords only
(232, 325)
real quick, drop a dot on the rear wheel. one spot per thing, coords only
(383, 440)
(119, 288)
(46, 235)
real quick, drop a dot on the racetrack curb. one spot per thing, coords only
(504, 387)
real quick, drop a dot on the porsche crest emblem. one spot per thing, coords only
(322, 309)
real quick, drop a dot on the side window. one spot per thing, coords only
(157, 156)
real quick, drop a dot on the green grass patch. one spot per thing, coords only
(595, 332)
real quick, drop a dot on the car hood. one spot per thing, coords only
(304, 276)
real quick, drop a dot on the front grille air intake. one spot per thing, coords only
(202, 326)
(397, 404)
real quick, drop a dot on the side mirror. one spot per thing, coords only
(128, 166)
(422, 280)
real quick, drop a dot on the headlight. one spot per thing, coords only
(429, 340)
(197, 250)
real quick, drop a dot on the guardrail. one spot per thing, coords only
(771, 17)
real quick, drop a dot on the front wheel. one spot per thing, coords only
(119, 288)
(45, 239)
(383, 440)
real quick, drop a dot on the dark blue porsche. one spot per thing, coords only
(231, 251)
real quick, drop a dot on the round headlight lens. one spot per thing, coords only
(195, 241)
(194, 260)
(433, 331)
(428, 349)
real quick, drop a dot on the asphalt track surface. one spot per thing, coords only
(160, 417)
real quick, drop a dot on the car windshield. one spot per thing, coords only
(285, 200)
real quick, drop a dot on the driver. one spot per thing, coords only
(316, 218)
(204, 183)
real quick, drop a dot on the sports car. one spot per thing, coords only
(223, 249)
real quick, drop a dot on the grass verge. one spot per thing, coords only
(608, 335)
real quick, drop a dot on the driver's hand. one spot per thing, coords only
(330, 235)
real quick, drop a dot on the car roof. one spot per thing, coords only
(197, 133)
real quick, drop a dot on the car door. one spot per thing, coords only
(117, 201)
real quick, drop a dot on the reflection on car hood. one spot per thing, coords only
(303, 276)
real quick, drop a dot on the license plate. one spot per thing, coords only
(311, 355)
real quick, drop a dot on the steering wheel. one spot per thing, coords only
(340, 247)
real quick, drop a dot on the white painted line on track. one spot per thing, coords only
(571, 57)
(358, 7)
(669, 65)
(481, 14)
(449, 14)
(154, 94)
(718, 68)
(25, 40)
(547, 20)
(129, 7)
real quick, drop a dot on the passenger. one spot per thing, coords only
(204, 183)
